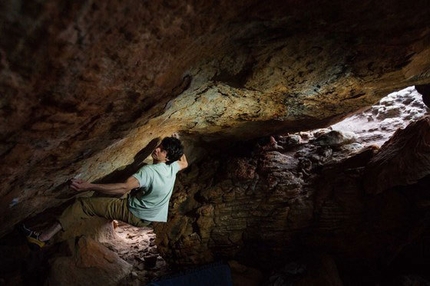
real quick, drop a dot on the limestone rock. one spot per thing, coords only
(402, 160)
(92, 264)
(288, 207)
(336, 138)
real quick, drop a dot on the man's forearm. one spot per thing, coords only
(183, 163)
(110, 189)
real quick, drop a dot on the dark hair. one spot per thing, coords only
(174, 149)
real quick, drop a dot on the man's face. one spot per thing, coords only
(159, 154)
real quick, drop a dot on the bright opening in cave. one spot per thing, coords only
(379, 122)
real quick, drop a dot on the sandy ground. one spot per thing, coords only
(137, 247)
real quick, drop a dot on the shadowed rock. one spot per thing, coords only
(402, 160)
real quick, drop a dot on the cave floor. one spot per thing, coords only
(21, 266)
(137, 247)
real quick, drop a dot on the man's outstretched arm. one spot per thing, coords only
(108, 189)
(183, 163)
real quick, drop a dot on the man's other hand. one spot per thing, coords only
(80, 185)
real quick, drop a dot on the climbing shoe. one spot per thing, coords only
(32, 238)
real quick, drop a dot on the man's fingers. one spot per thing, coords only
(76, 184)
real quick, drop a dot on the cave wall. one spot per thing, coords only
(302, 196)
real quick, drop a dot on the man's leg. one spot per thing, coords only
(48, 233)
(83, 208)
(110, 208)
(67, 218)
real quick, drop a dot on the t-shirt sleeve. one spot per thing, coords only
(176, 167)
(143, 176)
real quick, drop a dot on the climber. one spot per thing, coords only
(148, 202)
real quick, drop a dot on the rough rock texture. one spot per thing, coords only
(91, 264)
(302, 195)
(288, 206)
(403, 160)
(96, 252)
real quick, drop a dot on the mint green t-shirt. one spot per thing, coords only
(151, 201)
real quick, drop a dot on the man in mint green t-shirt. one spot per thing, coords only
(152, 188)
(151, 201)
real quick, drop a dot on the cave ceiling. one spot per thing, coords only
(85, 85)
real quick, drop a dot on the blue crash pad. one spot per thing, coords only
(217, 274)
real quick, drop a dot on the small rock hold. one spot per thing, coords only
(335, 138)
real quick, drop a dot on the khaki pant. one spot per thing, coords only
(110, 208)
